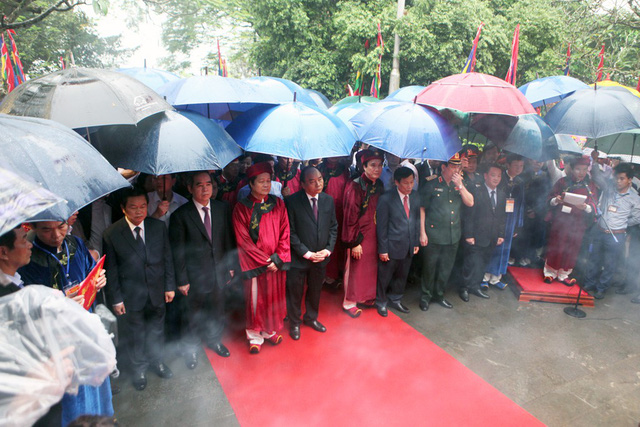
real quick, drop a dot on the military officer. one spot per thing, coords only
(469, 155)
(440, 229)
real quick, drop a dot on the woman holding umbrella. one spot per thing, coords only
(261, 225)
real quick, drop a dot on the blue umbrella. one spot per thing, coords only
(407, 130)
(58, 159)
(319, 98)
(548, 90)
(293, 130)
(282, 89)
(346, 111)
(166, 143)
(407, 93)
(151, 77)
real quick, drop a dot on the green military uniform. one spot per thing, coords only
(443, 205)
(472, 180)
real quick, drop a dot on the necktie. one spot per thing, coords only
(139, 240)
(207, 221)
(314, 207)
(493, 199)
(406, 205)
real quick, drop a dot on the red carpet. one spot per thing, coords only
(530, 287)
(364, 371)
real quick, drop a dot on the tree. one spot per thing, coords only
(22, 14)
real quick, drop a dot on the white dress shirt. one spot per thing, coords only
(154, 200)
(200, 211)
(133, 229)
(6, 280)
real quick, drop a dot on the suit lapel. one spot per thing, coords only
(195, 217)
(128, 237)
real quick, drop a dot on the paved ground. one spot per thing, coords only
(565, 371)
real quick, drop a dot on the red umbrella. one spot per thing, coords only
(475, 93)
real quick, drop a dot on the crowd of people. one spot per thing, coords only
(267, 234)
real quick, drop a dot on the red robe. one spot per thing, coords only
(359, 228)
(272, 245)
(567, 229)
(289, 179)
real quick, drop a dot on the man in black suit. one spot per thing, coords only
(483, 229)
(141, 281)
(15, 252)
(398, 230)
(314, 230)
(201, 241)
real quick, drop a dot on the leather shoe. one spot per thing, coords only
(479, 293)
(161, 370)
(636, 300)
(446, 304)
(382, 311)
(139, 381)
(424, 305)
(598, 295)
(464, 295)
(398, 306)
(314, 324)
(294, 332)
(191, 360)
(220, 349)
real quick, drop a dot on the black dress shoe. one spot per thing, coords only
(115, 389)
(598, 295)
(161, 370)
(294, 332)
(424, 305)
(314, 324)
(220, 349)
(446, 304)
(139, 381)
(464, 295)
(398, 306)
(636, 300)
(191, 360)
(479, 293)
(382, 311)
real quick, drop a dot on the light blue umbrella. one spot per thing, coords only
(319, 98)
(407, 130)
(282, 89)
(548, 90)
(346, 111)
(293, 130)
(407, 93)
(60, 160)
(152, 77)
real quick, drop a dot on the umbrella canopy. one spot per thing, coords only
(151, 77)
(319, 98)
(346, 111)
(595, 113)
(21, 199)
(166, 143)
(407, 93)
(610, 84)
(60, 160)
(84, 97)
(548, 90)
(407, 130)
(358, 98)
(475, 93)
(293, 130)
(626, 145)
(282, 89)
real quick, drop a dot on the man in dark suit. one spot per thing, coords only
(483, 229)
(15, 252)
(398, 231)
(314, 230)
(201, 241)
(141, 281)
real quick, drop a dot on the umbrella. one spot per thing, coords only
(21, 199)
(293, 130)
(407, 130)
(357, 98)
(60, 160)
(475, 93)
(282, 89)
(594, 113)
(84, 97)
(626, 145)
(347, 110)
(548, 90)
(151, 77)
(407, 93)
(610, 84)
(166, 143)
(320, 100)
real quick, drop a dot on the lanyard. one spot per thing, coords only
(65, 269)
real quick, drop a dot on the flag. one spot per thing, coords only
(62, 66)
(220, 66)
(600, 65)
(349, 90)
(376, 82)
(470, 65)
(513, 66)
(358, 84)
(16, 57)
(638, 87)
(7, 68)
(566, 68)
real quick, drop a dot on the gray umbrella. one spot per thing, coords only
(58, 159)
(84, 97)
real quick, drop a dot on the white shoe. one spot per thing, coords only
(511, 261)
(524, 262)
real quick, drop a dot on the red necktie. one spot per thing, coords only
(314, 208)
(406, 205)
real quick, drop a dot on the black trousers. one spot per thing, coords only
(145, 335)
(206, 319)
(392, 279)
(476, 260)
(313, 275)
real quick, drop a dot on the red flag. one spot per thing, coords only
(601, 65)
(16, 57)
(7, 71)
(638, 87)
(470, 65)
(513, 66)
(62, 63)
(220, 66)
(566, 68)
(376, 82)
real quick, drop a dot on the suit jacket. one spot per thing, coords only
(200, 262)
(481, 221)
(8, 289)
(307, 234)
(397, 234)
(134, 275)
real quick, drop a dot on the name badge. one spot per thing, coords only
(511, 203)
(613, 209)
(566, 209)
(439, 190)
